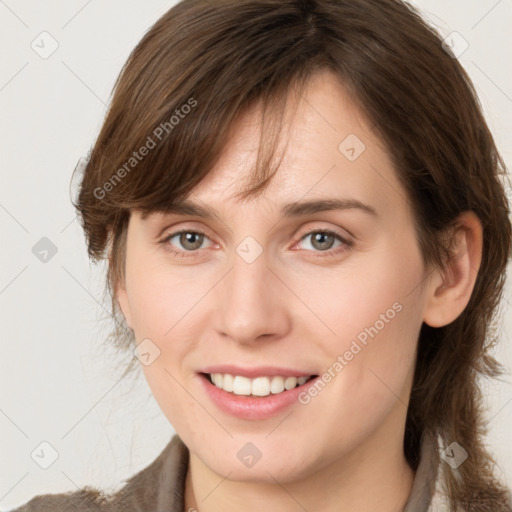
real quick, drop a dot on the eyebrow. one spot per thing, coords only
(297, 209)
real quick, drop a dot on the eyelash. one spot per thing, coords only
(322, 254)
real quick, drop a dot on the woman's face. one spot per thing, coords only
(263, 288)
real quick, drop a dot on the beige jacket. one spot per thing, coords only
(160, 488)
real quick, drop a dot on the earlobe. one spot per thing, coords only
(451, 289)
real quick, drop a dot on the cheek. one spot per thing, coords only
(161, 298)
(163, 305)
(373, 296)
(373, 314)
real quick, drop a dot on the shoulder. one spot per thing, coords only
(160, 484)
(86, 499)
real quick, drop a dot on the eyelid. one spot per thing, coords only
(334, 231)
(167, 236)
(188, 226)
(169, 232)
(346, 242)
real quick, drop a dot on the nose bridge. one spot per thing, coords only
(249, 302)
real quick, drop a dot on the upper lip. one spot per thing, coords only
(256, 371)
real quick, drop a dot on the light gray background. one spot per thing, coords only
(59, 382)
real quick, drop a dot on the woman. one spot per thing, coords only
(307, 234)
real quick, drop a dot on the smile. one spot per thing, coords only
(252, 398)
(258, 387)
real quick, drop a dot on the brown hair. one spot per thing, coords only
(218, 59)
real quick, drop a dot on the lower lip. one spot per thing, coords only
(248, 408)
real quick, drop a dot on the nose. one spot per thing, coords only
(252, 302)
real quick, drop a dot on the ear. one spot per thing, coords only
(451, 288)
(124, 304)
(121, 297)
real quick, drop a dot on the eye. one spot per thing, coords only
(323, 240)
(189, 240)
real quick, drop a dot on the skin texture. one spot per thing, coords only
(294, 306)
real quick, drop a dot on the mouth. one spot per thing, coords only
(259, 387)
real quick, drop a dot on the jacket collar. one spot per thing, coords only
(425, 486)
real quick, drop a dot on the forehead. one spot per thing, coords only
(326, 149)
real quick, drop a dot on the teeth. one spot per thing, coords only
(277, 385)
(290, 382)
(241, 386)
(261, 386)
(227, 382)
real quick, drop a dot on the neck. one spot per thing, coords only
(368, 479)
